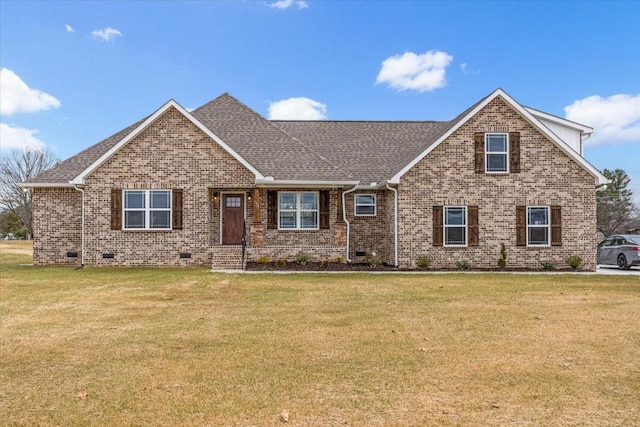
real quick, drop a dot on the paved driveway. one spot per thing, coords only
(634, 271)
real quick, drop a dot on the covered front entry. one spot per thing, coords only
(232, 218)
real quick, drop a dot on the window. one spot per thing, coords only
(365, 204)
(538, 226)
(455, 226)
(496, 152)
(298, 210)
(147, 209)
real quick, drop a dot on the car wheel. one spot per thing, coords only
(622, 262)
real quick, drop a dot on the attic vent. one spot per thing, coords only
(185, 255)
(72, 254)
(107, 256)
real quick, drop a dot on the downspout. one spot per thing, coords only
(395, 222)
(81, 190)
(344, 216)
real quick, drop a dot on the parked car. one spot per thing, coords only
(622, 250)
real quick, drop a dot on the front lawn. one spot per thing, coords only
(120, 346)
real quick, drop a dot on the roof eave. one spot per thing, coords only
(279, 183)
(46, 185)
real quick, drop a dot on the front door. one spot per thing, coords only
(232, 218)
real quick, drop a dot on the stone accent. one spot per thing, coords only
(256, 235)
(57, 224)
(446, 176)
(340, 234)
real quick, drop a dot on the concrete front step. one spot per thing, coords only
(227, 258)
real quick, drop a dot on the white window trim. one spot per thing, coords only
(445, 226)
(147, 209)
(547, 226)
(298, 210)
(487, 152)
(356, 205)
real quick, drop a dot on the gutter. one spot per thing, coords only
(395, 223)
(344, 216)
(81, 190)
(270, 182)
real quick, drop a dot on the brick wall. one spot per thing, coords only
(371, 233)
(171, 153)
(446, 176)
(57, 225)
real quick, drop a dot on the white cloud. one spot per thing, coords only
(12, 138)
(423, 73)
(106, 34)
(17, 97)
(286, 4)
(464, 67)
(615, 118)
(69, 28)
(297, 109)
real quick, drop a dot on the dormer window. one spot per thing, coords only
(496, 148)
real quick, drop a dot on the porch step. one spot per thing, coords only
(227, 258)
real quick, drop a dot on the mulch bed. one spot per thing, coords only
(334, 266)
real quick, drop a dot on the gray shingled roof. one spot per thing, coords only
(365, 151)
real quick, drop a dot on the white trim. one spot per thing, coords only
(170, 104)
(547, 226)
(559, 120)
(598, 177)
(445, 226)
(344, 216)
(82, 245)
(299, 211)
(266, 182)
(221, 207)
(355, 204)
(46, 185)
(487, 153)
(395, 223)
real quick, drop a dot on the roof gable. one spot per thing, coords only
(525, 114)
(79, 179)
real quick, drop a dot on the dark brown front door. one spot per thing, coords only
(232, 218)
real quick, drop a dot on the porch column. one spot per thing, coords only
(256, 229)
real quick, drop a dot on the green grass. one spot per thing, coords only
(192, 348)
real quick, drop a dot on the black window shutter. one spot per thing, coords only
(521, 226)
(176, 209)
(325, 209)
(437, 226)
(474, 232)
(272, 209)
(116, 209)
(514, 152)
(556, 226)
(478, 139)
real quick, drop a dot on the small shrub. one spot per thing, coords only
(548, 265)
(324, 264)
(463, 265)
(281, 263)
(339, 260)
(502, 261)
(424, 262)
(374, 260)
(302, 258)
(574, 261)
(263, 259)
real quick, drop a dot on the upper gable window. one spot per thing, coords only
(147, 209)
(365, 204)
(496, 152)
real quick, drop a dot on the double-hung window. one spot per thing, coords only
(455, 225)
(147, 209)
(496, 152)
(298, 210)
(538, 226)
(365, 204)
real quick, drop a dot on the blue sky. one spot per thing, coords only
(73, 73)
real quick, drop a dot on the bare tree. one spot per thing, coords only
(20, 166)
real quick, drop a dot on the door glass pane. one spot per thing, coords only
(160, 199)
(233, 201)
(133, 199)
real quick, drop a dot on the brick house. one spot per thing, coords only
(182, 188)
